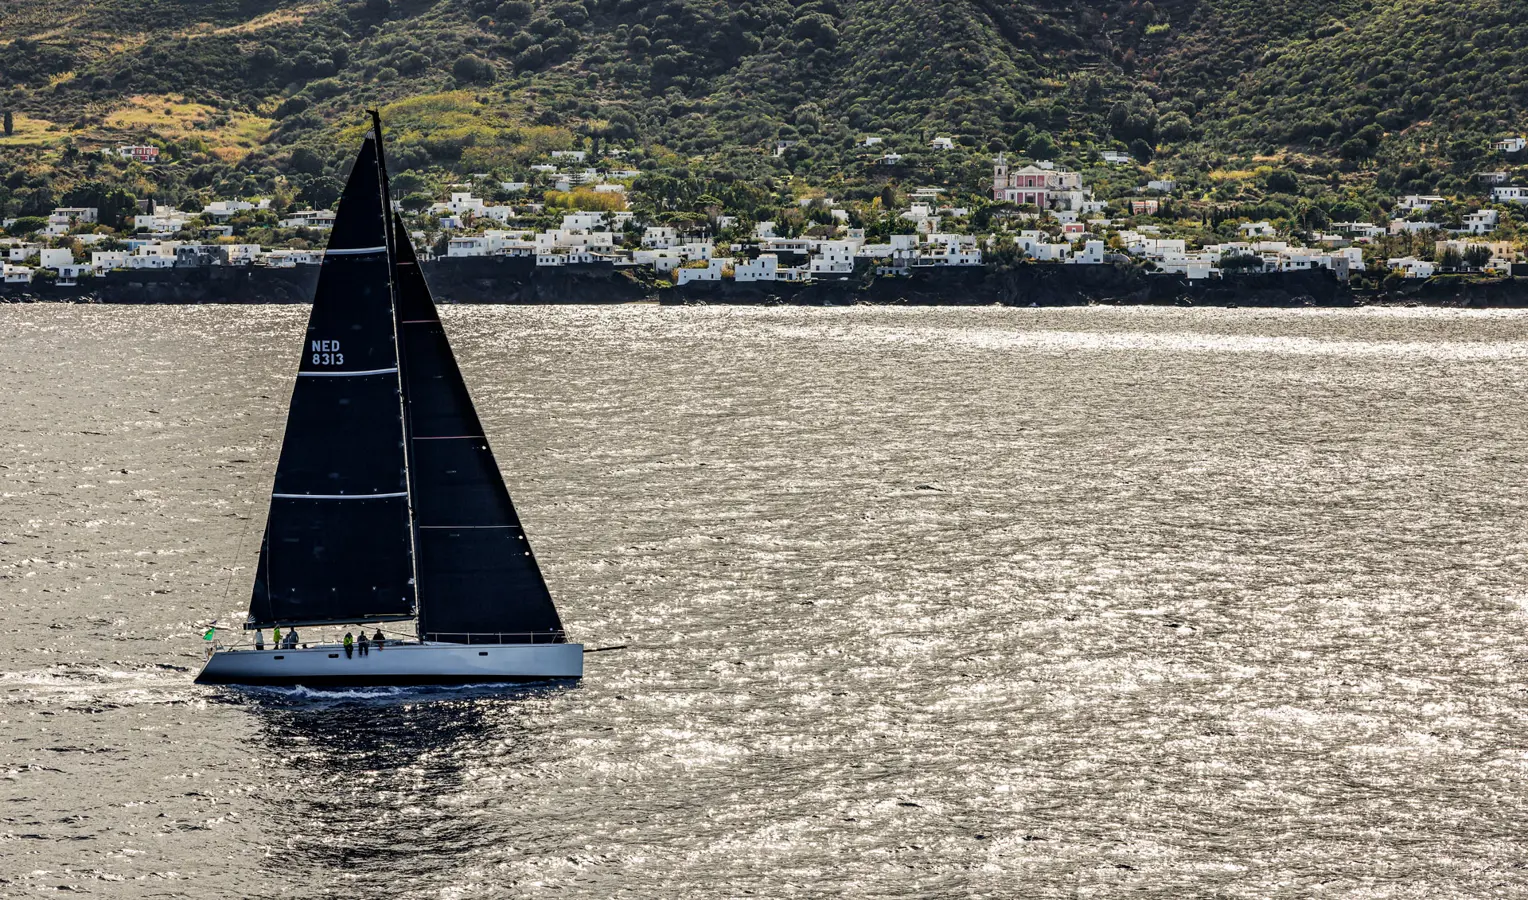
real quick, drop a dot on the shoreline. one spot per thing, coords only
(505, 280)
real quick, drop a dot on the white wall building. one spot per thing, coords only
(712, 271)
(765, 268)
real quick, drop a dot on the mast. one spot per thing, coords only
(393, 226)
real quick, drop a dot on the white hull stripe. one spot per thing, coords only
(466, 527)
(347, 374)
(338, 496)
(356, 251)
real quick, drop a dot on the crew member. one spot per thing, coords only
(260, 640)
(349, 645)
(378, 639)
(364, 644)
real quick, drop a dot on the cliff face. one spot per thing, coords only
(519, 281)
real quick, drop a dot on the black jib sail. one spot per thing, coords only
(337, 544)
(478, 580)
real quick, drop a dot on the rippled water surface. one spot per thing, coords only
(921, 603)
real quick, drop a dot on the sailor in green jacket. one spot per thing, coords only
(349, 645)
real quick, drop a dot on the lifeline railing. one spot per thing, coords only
(440, 637)
(496, 637)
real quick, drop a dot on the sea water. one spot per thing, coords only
(919, 603)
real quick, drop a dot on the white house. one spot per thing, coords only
(474, 245)
(227, 209)
(1513, 194)
(54, 258)
(164, 220)
(1162, 185)
(575, 155)
(1362, 230)
(1411, 267)
(942, 143)
(1092, 254)
(583, 221)
(1418, 202)
(1481, 222)
(765, 268)
(64, 218)
(1115, 157)
(871, 141)
(1511, 145)
(16, 274)
(712, 271)
(106, 260)
(659, 237)
(1258, 229)
(320, 219)
(241, 254)
(662, 260)
(833, 258)
(1397, 226)
(891, 159)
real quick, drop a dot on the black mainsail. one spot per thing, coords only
(478, 579)
(337, 544)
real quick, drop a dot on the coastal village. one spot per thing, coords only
(1036, 211)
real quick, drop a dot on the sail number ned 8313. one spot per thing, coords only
(327, 353)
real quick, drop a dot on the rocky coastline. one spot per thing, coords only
(520, 281)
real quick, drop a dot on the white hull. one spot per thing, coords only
(396, 664)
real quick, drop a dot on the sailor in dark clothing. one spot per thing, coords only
(291, 639)
(378, 639)
(349, 645)
(364, 644)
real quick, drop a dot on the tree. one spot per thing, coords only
(1042, 146)
(1451, 260)
(1477, 255)
(471, 68)
(10, 124)
(27, 225)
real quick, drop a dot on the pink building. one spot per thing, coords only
(1046, 188)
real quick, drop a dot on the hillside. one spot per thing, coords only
(1353, 94)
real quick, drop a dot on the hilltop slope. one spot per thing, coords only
(257, 87)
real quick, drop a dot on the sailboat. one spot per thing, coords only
(388, 505)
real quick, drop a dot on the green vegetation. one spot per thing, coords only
(1304, 112)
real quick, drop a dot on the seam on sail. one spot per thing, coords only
(420, 321)
(338, 496)
(451, 437)
(356, 251)
(343, 374)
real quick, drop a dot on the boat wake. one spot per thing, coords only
(299, 695)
